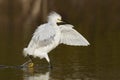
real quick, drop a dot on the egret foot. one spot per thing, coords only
(31, 65)
(28, 64)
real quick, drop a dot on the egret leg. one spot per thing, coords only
(50, 65)
(48, 60)
(30, 58)
(30, 64)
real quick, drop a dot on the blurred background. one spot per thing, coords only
(97, 20)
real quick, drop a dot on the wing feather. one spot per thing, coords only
(70, 36)
(43, 36)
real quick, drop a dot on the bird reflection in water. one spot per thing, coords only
(31, 75)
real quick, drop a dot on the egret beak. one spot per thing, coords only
(61, 23)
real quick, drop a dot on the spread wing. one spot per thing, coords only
(70, 36)
(43, 36)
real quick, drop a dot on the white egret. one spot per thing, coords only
(49, 35)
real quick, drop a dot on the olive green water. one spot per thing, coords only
(98, 21)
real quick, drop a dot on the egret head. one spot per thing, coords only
(54, 18)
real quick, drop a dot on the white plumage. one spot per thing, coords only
(70, 36)
(49, 35)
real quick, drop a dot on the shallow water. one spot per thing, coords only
(97, 21)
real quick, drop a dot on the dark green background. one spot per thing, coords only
(97, 20)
